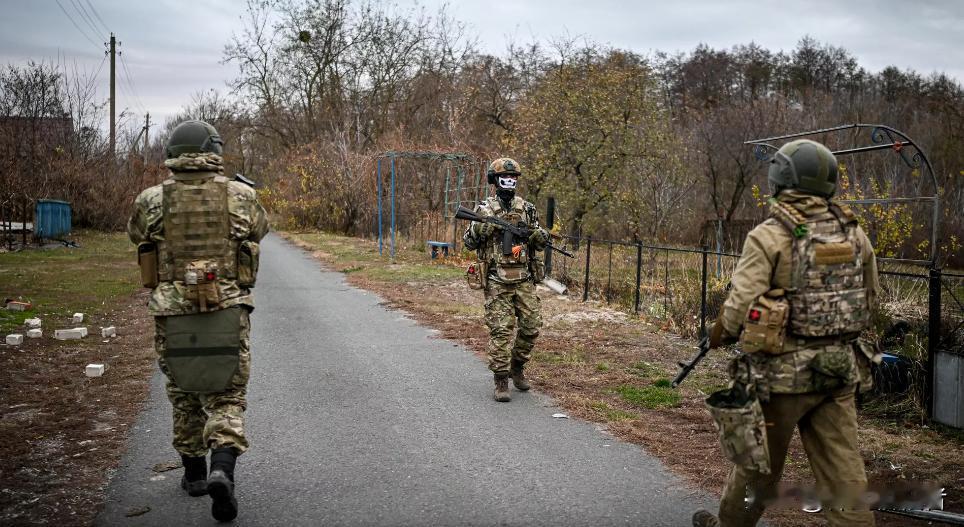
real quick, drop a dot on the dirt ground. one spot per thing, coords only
(62, 433)
(613, 368)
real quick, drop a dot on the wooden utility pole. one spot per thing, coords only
(113, 98)
(147, 129)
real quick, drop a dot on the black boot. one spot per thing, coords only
(224, 506)
(195, 478)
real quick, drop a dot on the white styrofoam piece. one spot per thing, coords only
(14, 339)
(32, 322)
(35, 333)
(78, 318)
(109, 331)
(68, 334)
(94, 370)
(82, 330)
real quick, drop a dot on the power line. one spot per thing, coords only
(84, 16)
(96, 14)
(82, 32)
(130, 82)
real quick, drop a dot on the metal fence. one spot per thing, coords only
(683, 285)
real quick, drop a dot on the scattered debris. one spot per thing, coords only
(109, 331)
(32, 322)
(560, 416)
(14, 339)
(137, 511)
(95, 370)
(167, 466)
(35, 333)
(68, 334)
(78, 318)
(14, 305)
(82, 330)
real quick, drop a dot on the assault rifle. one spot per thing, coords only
(687, 367)
(511, 234)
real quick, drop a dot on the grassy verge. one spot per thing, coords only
(606, 366)
(66, 280)
(62, 433)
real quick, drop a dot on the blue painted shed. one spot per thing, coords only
(51, 219)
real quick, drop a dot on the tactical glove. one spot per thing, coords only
(538, 239)
(719, 335)
(483, 230)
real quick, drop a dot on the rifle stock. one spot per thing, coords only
(687, 367)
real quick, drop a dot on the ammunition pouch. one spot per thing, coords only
(249, 254)
(866, 353)
(738, 417)
(201, 284)
(203, 350)
(147, 262)
(833, 369)
(765, 327)
(474, 275)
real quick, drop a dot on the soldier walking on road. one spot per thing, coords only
(800, 296)
(512, 308)
(197, 238)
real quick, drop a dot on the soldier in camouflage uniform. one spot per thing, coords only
(800, 295)
(197, 235)
(512, 308)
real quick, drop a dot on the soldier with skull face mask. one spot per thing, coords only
(512, 308)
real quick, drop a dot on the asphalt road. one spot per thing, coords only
(359, 416)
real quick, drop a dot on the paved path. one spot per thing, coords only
(358, 416)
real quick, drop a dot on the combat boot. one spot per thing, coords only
(502, 388)
(195, 478)
(224, 506)
(704, 518)
(518, 377)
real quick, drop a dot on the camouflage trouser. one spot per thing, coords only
(828, 428)
(504, 306)
(209, 420)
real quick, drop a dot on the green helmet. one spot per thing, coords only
(803, 165)
(193, 137)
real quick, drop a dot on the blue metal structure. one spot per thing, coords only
(52, 219)
(458, 159)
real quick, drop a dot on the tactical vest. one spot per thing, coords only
(508, 268)
(826, 295)
(197, 227)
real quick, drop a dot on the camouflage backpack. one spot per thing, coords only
(826, 295)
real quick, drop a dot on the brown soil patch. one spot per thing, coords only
(62, 434)
(586, 351)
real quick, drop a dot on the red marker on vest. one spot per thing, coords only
(755, 315)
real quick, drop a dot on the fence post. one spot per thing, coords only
(639, 268)
(933, 335)
(609, 277)
(585, 289)
(703, 296)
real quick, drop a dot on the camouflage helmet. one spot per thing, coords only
(503, 165)
(803, 165)
(193, 137)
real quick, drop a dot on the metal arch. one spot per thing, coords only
(883, 138)
(458, 159)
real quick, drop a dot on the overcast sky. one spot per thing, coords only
(173, 48)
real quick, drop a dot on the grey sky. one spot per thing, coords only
(173, 48)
